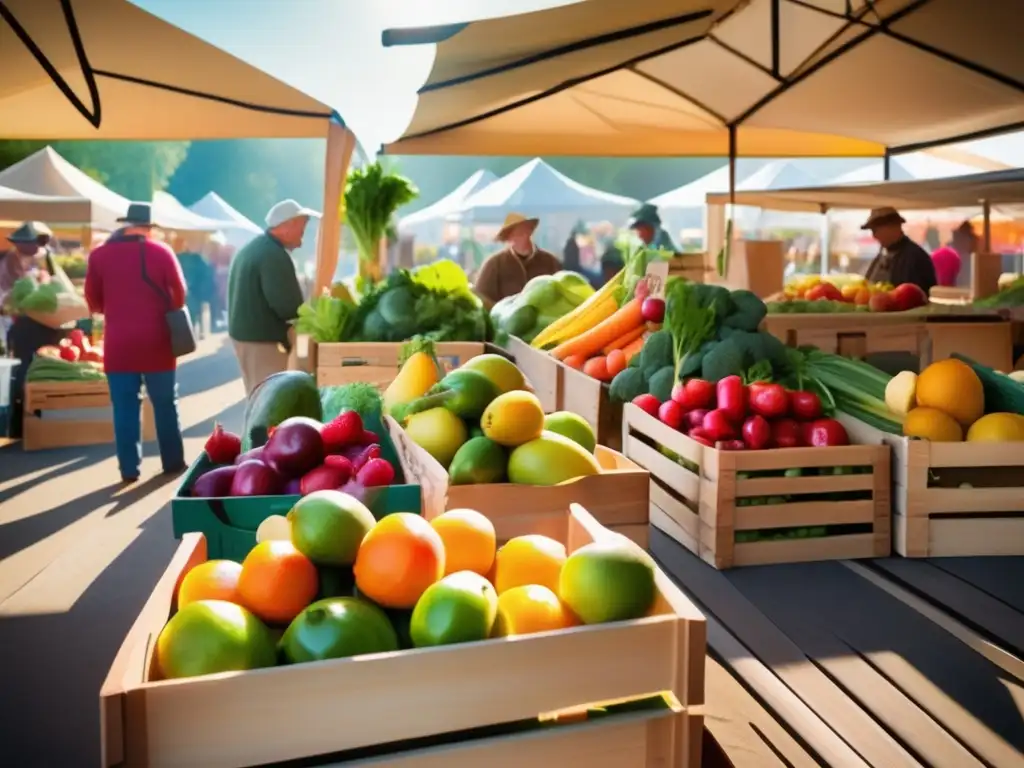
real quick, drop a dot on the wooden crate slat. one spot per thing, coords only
(377, 363)
(40, 433)
(857, 546)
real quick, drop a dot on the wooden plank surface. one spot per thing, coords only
(1003, 577)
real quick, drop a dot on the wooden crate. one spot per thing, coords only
(618, 497)
(853, 334)
(689, 266)
(377, 363)
(39, 432)
(542, 371)
(589, 398)
(933, 515)
(698, 493)
(285, 713)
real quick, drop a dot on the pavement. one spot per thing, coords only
(79, 555)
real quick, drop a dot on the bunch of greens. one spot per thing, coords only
(324, 318)
(372, 195)
(365, 399)
(636, 261)
(26, 295)
(434, 301)
(1010, 296)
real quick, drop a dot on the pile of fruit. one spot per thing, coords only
(815, 294)
(76, 358)
(542, 301)
(330, 582)
(958, 400)
(483, 425)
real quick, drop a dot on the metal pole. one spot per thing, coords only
(886, 165)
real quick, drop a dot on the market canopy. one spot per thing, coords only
(47, 173)
(17, 207)
(237, 229)
(920, 165)
(677, 77)
(537, 189)
(428, 223)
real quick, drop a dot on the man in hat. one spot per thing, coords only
(646, 222)
(264, 294)
(506, 272)
(134, 280)
(901, 260)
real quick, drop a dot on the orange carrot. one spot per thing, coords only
(632, 349)
(625, 339)
(626, 318)
(616, 362)
(575, 361)
(597, 368)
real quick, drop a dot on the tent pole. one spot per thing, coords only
(341, 142)
(886, 165)
(986, 214)
(826, 245)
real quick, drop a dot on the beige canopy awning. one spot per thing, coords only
(17, 206)
(717, 77)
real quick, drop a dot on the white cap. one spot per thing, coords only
(287, 210)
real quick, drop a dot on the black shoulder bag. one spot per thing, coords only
(179, 321)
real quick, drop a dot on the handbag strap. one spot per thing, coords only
(149, 281)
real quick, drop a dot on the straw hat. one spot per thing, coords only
(884, 215)
(514, 220)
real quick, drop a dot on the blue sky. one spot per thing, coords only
(331, 49)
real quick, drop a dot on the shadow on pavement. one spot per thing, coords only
(199, 374)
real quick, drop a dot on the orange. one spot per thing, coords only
(954, 388)
(212, 580)
(932, 424)
(469, 541)
(400, 557)
(862, 297)
(526, 560)
(531, 608)
(277, 581)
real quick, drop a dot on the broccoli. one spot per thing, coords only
(735, 355)
(661, 383)
(714, 297)
(748, 313)
(727, 358)
(691, 366)
(628, 384)
(656, 352)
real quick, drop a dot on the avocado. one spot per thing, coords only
(472, 393)
(479, 461)
(278, 397)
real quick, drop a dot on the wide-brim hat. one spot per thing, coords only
(885, 215)
(512, 221)
(645, 214)
(30, 233)
(139, 215)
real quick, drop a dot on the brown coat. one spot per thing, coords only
(506, 273)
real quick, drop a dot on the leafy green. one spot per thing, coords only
(748, 311)
(689, 321)
(628, 384)
(42, 299)
(741, 351)
(656, 352)
(661, 383)
(372, 195)
(365, 399)
(324, 318)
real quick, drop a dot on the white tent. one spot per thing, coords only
(47, 173)
(16, 207)
(238, 230)
(912, 167)
(427, 224)
(171, 214)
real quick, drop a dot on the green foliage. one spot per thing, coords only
(372, 196)
(324, 318)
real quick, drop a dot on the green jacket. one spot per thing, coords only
(263, 292)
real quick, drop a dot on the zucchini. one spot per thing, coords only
(1002, 393)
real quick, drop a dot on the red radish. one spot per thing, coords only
(344, 430)
(670, 413)
(828, 432)
(695, 418)
(768, 400)
(342, 463)
(806, 406)
(679, 394)
(698, 435)
(323, 478)
(369, 452)
(757, 433)
(653, 310)
(786, 433)
(78, 338)
(731, 397)
(718, 425)
(805, 432)
(648, 403)
(700, 393)
(70, 353)
(730, 445)
(355, 489)
(222, 447)
(254, 478)
(369, 438)
(641, 292)
(376, 473)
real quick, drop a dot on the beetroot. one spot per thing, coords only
(252, 453)
(214, 484)
(254, 478)
(323, 478)
(295, 447)
(222, 446)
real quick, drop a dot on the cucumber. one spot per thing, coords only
(278, 397)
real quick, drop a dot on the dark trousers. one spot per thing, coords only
(126, 399)
(24, 339)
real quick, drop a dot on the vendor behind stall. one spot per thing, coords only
(901, 260)
(507, 271)
(646, 222)
(29, 258)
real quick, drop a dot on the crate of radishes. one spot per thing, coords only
(755, 474)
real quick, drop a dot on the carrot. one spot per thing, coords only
(588, 343)
(575, 361)
(632, 349)
(625, 339)
(616, 362)
(597, 368)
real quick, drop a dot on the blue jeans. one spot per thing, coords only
(126, 397)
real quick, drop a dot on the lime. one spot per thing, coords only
(328, 527)
(611, 580)
(211, 636)
(336, 628)
(460, 608)
(573, 426)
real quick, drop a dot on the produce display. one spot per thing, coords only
(74, 359)
(542, 301)
(330, 582)
(372, 197)
(31, 295)
(482, 424)
(1009, 295)
(815, 295)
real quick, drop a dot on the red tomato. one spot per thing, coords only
(732, 398)
(806, 406)
(695, 418)
(786, 433)
(699, 393)
(757, 433)
(718, 425)
(670, 413)
(649, 403)
(768, 400)
(828, 432)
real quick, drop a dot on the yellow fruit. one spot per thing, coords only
(439, 432)
(418, 374)
(954, 388)
(901, 392)
(932, 424)
(525, 560)
(513, 418)
(531, 608)
(469, 541)
(997, 428)
(498, 370)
